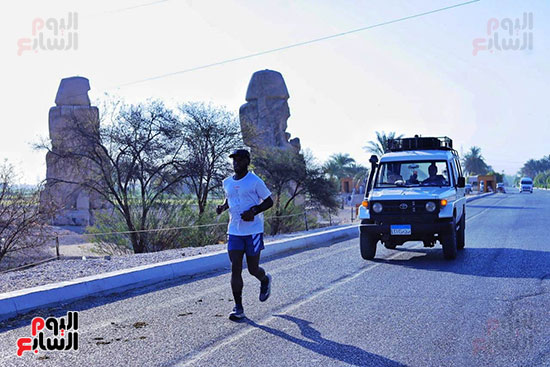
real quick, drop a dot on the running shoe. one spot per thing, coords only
(265, 290)
(237, 313)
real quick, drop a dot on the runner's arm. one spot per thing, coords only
(266, 204)
(249, 214)
(221, 208)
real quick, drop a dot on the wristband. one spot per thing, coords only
(255, 209)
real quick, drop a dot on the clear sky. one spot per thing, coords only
(414, 76)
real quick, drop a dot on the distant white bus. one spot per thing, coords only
(526, 184)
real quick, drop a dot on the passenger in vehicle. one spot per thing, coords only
(434, 179)
(393, 175)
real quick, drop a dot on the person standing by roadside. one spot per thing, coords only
(246, 197)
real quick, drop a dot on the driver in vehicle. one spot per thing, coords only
(434, 178)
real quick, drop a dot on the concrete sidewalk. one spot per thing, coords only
(25, 300)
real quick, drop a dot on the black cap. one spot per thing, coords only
(240, 152)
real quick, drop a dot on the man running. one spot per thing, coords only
(246, 196)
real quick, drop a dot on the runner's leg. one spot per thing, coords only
(253, 263)
(236, 257)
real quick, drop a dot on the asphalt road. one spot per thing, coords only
(489, 307)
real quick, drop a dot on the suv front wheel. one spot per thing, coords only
(367, 242)
(368, 246)
(449, 242)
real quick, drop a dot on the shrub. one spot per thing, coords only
(173, 215)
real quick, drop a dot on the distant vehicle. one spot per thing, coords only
(501, 188)
(526, 184)
(415, 193)
(468, 189)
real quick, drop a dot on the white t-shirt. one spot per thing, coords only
(242, 195)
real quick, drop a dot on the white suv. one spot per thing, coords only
(415, 193)
(526, 184)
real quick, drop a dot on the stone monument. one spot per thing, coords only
(264, 117)
(63, 176)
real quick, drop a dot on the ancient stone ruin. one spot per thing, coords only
(264, 117)
(63, 176)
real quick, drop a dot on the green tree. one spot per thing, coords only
(290, 175)
(474, 163)
(542, 179)
(535, 166)
(380, 145)
(341, 165)
(320, 192)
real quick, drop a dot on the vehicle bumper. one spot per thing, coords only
(419, 231)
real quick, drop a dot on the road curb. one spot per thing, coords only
(25, 300)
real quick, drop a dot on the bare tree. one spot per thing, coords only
(22, 224)
(209, 133)
(132, 160)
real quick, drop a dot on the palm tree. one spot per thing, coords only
(474, 163)
(358, 173)
(533, 167)
(380, 145)
(338, 164)
(341, 165)
(331, 168)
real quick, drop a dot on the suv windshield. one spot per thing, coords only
(526, 182)
(409, 174)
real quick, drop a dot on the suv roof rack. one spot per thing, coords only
(420, 143)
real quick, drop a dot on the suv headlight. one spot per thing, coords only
(377, 207)
(430, 206)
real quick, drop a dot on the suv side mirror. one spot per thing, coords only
(461, 182)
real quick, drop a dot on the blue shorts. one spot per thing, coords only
(252, 244)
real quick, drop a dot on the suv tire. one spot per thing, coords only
(368, 246)
(449, 242)
(460, 236)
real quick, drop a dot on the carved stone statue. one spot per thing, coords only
(264, 117)
(72, 108)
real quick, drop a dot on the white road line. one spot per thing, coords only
(213, 348)
(201, 294)
(181, 300)
(484, 210)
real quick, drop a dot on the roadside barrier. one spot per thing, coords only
(153, 230)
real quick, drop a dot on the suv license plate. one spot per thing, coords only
(400, 230)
